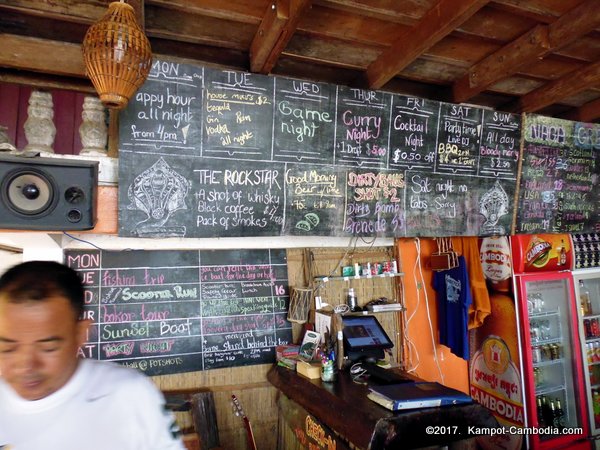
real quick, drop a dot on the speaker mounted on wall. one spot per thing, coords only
(47, 193)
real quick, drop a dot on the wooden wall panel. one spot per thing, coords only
(9, 106)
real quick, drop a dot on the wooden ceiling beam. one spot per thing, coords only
(41, 55)
(501, 64)
(578, 22)
(537, 43)
(236, 10)
(439, 21)
(585, 113)
(554, 91)
(276, 29)
(69, 10)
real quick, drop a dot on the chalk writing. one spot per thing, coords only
(172, 311)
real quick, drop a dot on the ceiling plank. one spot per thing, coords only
(438, 22)
(533, 45)
(276, 29)
(502, 63)
(553, 92)
(41, 55)
(198, 29)
(72, 10)
(43, 81)
(236, 10)
(585, 113)
(578, 22)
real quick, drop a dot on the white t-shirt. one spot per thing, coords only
(103, 406)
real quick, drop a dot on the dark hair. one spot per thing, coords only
(40, 280)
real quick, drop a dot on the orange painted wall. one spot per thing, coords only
(454, 369)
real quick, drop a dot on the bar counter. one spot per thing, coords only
(343, 407)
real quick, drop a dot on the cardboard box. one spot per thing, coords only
(310, 370)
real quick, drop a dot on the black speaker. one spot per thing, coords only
(47, 193)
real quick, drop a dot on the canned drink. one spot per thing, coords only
(595, 328)
(546, 353)
(536, 354)
(377, 268)
(587, 326)
(366, 269)
(554, 351)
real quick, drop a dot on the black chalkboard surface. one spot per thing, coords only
(253, 155)
(167, 116)
(173, 311)
(238, 115)
(560, 177)
(167, 196)
(304, 122)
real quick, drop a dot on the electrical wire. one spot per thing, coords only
(435, 356)
(82, 240)
(339, 263)
(411, 345)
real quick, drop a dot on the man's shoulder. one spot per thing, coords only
(104, 378)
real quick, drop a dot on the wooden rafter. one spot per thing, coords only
(556, 90)
(502, 63)
(535, 44)
(276, 29)
(585, 113)
(41, 55)
(438, 22)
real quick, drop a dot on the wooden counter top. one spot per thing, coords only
(344, 407)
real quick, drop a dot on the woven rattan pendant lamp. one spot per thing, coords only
(117, 55)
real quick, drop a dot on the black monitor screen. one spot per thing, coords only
(364, 337)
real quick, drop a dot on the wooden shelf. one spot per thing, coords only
(360, 277)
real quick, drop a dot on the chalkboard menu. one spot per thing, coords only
(209, 153)
(173, 311)
(559, 190)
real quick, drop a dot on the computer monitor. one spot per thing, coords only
(364, 338)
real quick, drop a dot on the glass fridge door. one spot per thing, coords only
(551, 352)
(587, 293)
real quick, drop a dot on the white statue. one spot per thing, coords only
(39, 126)
(93, 130)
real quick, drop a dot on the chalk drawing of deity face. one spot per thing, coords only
(159, 192)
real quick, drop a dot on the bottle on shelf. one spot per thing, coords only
(540, 412)
(596, 406)
(547, 411)
(559, 416)
(552, 414)
(585, 300)
(562, 255)
(351, 300)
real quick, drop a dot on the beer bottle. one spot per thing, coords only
(552, 416)
(584, 299)
(562, 256)
(540, 412)
(559, 417)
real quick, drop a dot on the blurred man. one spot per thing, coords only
(50, 399)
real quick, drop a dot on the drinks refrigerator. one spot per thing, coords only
(549, 341)
(587, 292)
